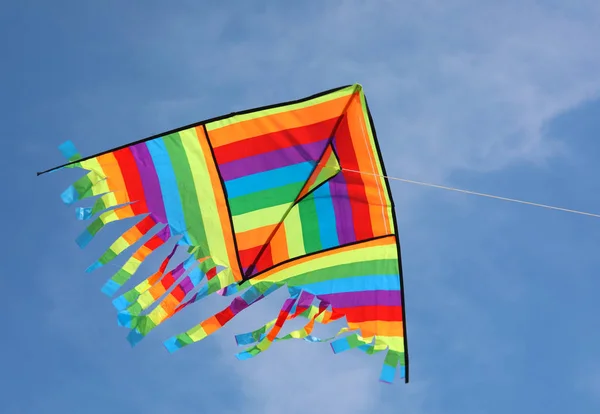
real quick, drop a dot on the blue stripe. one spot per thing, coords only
(168, 187)
(326, 217)
(352, 284)
(297, 173)
(387, 374)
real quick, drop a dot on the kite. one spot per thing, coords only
(290, 195)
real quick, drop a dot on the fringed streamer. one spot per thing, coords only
(296, 298)
(134, 262)
(126, 240)
(392, 359)
(169, 305)
(318, 314)
(69, 151)
(103, 219)
(104, 202)
(90, 185)
(128, 298)
(153, 290)
(215, 322)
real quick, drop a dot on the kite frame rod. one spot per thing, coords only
(197, 124)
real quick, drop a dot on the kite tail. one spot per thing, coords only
(103, 219)
(126, 240)
(208, 326)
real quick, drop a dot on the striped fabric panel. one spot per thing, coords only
(267, 178)
(167, 179)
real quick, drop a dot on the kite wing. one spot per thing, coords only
(291, 195)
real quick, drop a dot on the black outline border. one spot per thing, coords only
(224, 188)
(201, 123)
(396, 234)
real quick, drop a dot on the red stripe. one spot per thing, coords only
(372, 313)
(224, 316)
(265, 260)
(247, 256)
(212, 272)
(274, 141)
(154, 242)
(146, 224)
(354, 183)
(168, 280)
(132, 179)
(178, 293)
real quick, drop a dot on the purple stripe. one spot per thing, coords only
(368, 298)
(178, 271)
(165, 234)
(305, 299)
(186, 285)
(344, 221)
(272, 160)
(154, 198)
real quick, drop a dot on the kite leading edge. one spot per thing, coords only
(260, 199)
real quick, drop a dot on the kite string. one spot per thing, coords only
(512, 200)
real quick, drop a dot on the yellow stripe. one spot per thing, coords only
(100, 187)
(293, 233)
(259, 218)
(328, 260)
(131, 265)
(119, 245)
(206, 197)
(93, 165)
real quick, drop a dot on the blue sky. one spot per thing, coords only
(501, 298)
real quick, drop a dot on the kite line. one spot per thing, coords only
(512, 200)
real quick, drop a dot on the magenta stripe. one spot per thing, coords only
(154, 198)
(272, 160)
(368, 298)
(344, 221)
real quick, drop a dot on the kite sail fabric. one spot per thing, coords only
(291, 195)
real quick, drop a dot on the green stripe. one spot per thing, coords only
(310, 224)
(265, 198)
(95, 226)
(383, 266)
(99, 205)
(187, 189)
(107, 257)
(121, 277)
(83, 186)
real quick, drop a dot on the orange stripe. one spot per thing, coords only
(379, 328)
(217, 188)
(124, 212)
(278, 122)
(210, 325)
(279, 249)
(142, 252)
(132, 235)
(255, 237)
(111, 169)
(374, 189)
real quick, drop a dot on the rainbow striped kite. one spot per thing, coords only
(292, 194)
